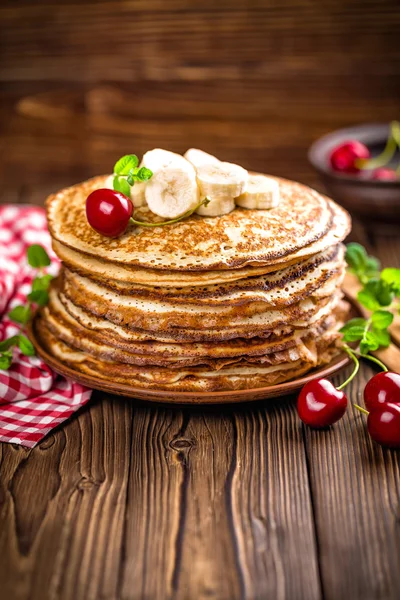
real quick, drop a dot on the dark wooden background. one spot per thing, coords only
(129, 500)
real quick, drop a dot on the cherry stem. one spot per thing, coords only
(386, 155)
(350, 352)
(161, 223)
(375, 360)
(361, 409)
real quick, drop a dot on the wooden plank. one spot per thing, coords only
(74, 42)
(219, 505)
(63, 508)
(355, 490)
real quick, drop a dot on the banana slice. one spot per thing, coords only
(261, 192)
(217, 207)
(160, 159)
(221, 180)
(137, 191)
(198, 158)
(172, 191)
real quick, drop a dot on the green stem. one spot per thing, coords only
(386, 155)
(361, 409)
(160, 224)
(375, 360)
(356, 366)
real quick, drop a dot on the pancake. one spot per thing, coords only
(283, 287)
(245, 376)
(110, 346)
(239, 239)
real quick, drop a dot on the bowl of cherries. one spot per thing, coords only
(360, 167)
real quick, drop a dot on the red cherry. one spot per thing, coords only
(320, 404)
(384, 174)
(343, 157)
(108, 212)
(381, 388)
(384, 425)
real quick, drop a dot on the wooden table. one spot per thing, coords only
(131, 500)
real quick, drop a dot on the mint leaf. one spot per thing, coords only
(41, 283)
(5, 360)
(20, 314)
(392, 278)
(372, 267)
(381, 319)
(6, 344)
(121, 185)
(381, 336)
(372, 340)
(125, 164)
(368, 300)
(358, 322)
(356, 256)
(354, 334)
(144, 174)
(37, 256)
(40, 297)
(25, 346)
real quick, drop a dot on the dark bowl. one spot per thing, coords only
(363, 197)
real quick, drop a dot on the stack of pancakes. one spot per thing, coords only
(240, 301)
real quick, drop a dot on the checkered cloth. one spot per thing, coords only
(33, 399)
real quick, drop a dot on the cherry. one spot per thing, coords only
(384, 425)
(382, 388)
(384, 174)
(343, 158)
(320, 404)
(108, 211)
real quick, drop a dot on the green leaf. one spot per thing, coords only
(125, 164)
(381, 336)
(368, 300)
(354, 334)
(372, 340)
(26, 346)
(121, 185)
(392, 278)
(364, 347)
(358, 322)
(20, 314)
(381, 319)
(372, 267)
(356, 256)
(6, 344)
(5, 360)
(144, 174)
(37, 256)
(40, 297)
(41, 283)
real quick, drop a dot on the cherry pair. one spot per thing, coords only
(320, 404)
(344, 158)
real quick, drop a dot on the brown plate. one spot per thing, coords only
(272, 391)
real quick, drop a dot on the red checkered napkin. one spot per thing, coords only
(33, 399)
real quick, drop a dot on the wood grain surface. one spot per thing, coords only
(132, 501)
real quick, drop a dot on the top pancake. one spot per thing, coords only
(242, 238)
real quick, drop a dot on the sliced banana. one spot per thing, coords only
(172, 191)
(137, 191)
(222, 180)
(217, 207)
(198, 158)
(261, 192)
(160, 159)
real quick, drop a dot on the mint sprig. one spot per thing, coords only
(38, 258)
(127, 173)
(378, 294)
